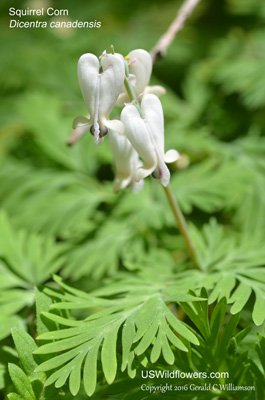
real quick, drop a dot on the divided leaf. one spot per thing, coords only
(144, 321)
(232, 268)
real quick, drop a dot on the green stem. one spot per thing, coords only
(130, 89)
(182, 225)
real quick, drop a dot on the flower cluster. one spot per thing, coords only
(137, 137)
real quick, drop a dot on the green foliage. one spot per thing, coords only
(25, 260)
(21, 383)
(138, 311)
(28, 383)
(128, 335)
(72, 198)
(25, 378)
(31, 258)
(242, 61)
(233, 267)
(210, 186)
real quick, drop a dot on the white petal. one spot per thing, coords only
(124, 158)
(153, 113)
(137, 186)
(96, 126)
(100, 90)
(132, 79)
(165, 174)
(122, 99)
(157, 90)
(120, 182)
(162, 172)
(98, 140)
(114, 125)
(141, 68)
(111, 84)
(88, 74)
(120, 56)
(80, 121)
(77, 133)
(137, 131)
(171, 156)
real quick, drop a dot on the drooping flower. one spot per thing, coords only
(126, 162)
(79, 129)
(101, 83)
(140, 68)
(147, 137)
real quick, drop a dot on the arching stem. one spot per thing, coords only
(182, 225)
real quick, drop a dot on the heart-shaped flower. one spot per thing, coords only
(101, 82)
(126, 162)
(140, 69)
(147, 137)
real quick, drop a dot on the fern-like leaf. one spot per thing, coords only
(232, 268)
(143, 319)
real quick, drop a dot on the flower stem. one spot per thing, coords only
(182, 225)
(130, 89)
(160, 49)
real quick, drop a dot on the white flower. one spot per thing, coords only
(79, 130)
(147, 137)
(140, 68)
(126, 162)
(100, 91)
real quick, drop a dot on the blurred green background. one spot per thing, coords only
(214, 115)
(215, 64)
